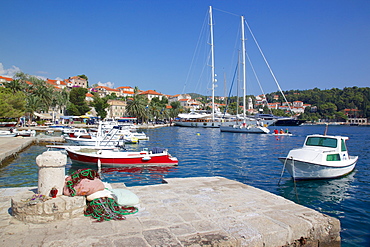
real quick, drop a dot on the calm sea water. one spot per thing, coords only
(247, 158)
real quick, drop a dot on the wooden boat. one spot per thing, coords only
(117, 157)
(322, 156)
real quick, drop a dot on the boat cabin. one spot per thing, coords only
(332, 142)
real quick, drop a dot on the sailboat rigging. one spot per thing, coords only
(244, 127)
(213, 120)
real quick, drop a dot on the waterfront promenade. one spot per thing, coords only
(204, 211)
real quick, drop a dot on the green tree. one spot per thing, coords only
(137, 107)
(33, 104)
(72, 110)
(100, 104)
(60, 100)
(78, 105)
(12, 104)
(39, 95)
(15, 85)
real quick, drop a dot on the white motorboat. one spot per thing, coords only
(25, 133)
(7, 133)
(322, 156)
(74, 132)
(115, 137)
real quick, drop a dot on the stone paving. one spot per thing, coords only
(204, 211)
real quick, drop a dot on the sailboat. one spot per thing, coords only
(245, 127)
(198, 119)
(213, 119)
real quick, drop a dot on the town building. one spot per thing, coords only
(116, 109)
(105, 91)
(76, 81)
(57, 84)
(4, 80)
(178, 97)
(126, 91)
(150, 94)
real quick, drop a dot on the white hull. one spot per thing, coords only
(7, 133)
(198, 124)
(217, 124)
(321, 156)
(305, 170)
(283, 134)
(245, 129)
(93, 142)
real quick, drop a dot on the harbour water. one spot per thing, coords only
(247, 158)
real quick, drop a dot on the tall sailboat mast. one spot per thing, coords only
(244, 70)
(212, 62)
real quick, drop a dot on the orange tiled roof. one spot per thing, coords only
(151, 92)
(107, 88)
(123, 87)
(128, 92)
(6, 78)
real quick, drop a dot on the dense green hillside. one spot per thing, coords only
(330, 103)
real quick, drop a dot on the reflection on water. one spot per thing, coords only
(321, 195)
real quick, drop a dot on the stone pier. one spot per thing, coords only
(202, 211)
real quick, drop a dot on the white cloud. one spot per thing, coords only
(9, 72)
(107, 84)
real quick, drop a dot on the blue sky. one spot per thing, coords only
(153, 44)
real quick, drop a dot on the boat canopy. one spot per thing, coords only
(321, 141)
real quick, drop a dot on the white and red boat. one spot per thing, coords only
(116, 157)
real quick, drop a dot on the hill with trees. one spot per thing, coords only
(330, 104)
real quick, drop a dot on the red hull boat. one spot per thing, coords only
(155, 156)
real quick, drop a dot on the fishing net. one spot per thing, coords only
(105, 209)
(76, 178)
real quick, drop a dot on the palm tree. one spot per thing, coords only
(59, 101)
(154, 111)
(15, 86)
(173, 113)
(33, 104)
(137, 106)
(43, 92)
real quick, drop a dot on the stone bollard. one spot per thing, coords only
(51, 172)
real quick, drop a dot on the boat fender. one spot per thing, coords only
(146, 158)
(99, 152)
(125, 197)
